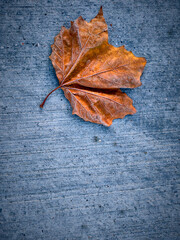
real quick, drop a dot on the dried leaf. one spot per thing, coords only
(91, 71)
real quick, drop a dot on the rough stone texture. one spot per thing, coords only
(63, 178)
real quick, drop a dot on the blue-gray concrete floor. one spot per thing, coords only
(63, 178)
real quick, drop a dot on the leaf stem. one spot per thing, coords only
(42, 104)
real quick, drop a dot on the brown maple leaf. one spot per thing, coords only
(91, 71)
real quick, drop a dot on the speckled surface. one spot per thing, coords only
(66, 179)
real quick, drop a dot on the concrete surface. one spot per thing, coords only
(63, 178)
